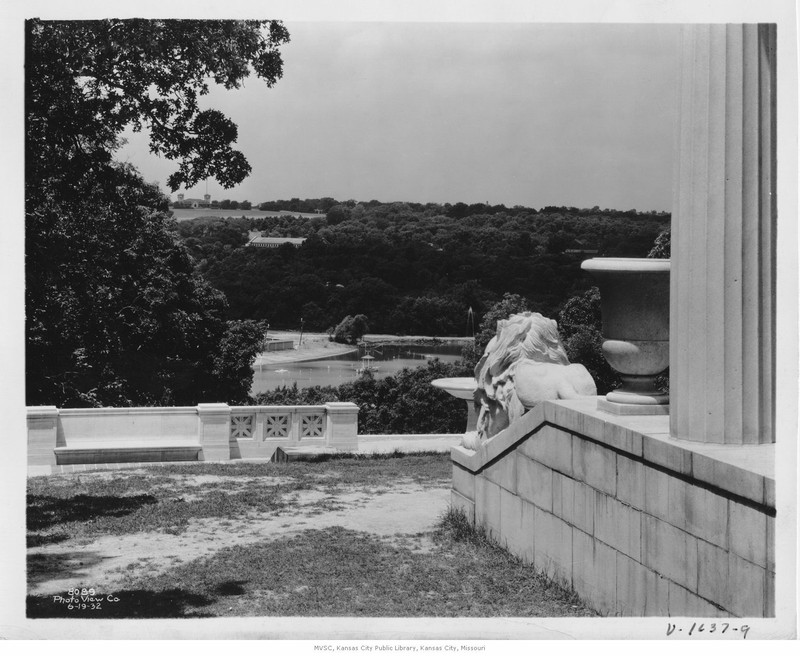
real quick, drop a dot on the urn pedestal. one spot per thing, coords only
(634, 301)
(461, 388)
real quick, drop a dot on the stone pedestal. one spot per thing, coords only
(214, 421)
(722, 313)
(462, 388)
(342, 426)
(42, 435)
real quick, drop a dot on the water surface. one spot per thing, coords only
(388, 360)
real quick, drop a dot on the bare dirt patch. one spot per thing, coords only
(404, 513)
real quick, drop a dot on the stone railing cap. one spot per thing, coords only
(275, 408)
(41, 411)
(140, 410)
(341, 406)
(206, 408)
(631, 264)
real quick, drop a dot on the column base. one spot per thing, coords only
(615, 408)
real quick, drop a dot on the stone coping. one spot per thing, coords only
(368, 444)
(400, 437)
(278, 408)
(743, 471)
(628, 264)
(40, 411)
(33, 412)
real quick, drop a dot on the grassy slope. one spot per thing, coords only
(330, 572)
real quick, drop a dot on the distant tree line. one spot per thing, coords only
(459, 210)
(306, 206)
(410, 268)
(216, 205)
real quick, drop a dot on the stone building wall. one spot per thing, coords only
(637, 523)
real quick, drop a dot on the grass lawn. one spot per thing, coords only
(309, 554)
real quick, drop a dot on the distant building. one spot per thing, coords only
(579, 248)
(275, 242)
(193, 203)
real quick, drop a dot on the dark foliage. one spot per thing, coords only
(232, 375)
(351, 329)
(662, 249)
(663, 246)
(45, 512)
(580, 325)
(413, 269)
(86, 81)
(401, 404)
(116, 313)
(503, 309)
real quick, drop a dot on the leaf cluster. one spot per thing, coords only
(86, 81)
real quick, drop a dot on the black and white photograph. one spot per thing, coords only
(401, 327)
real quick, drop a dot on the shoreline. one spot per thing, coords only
(316, 346)
(416, 339)
(302, 355)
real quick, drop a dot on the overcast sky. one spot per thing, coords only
(528, 114)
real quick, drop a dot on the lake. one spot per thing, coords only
(389, 359)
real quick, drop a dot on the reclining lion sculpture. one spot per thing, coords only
(524, 364)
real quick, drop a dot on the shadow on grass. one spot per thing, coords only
(231, 588)
(46, 567)
(388, 455)
(45, 511)
(341, 572)
(37, 540)
(126, 604)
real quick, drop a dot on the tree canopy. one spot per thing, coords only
(86, 81)
(409, 267)
(115, 310)
(351, 329)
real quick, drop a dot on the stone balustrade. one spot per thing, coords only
(208, 431)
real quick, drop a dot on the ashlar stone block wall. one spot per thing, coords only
(638, 524)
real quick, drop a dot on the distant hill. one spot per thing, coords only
(186, 214)
(412, 269)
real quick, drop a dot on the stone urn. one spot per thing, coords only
(634, 300)
(462, 388)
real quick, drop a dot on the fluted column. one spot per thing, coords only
(722, 309)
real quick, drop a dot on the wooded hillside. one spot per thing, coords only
(410, 268)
